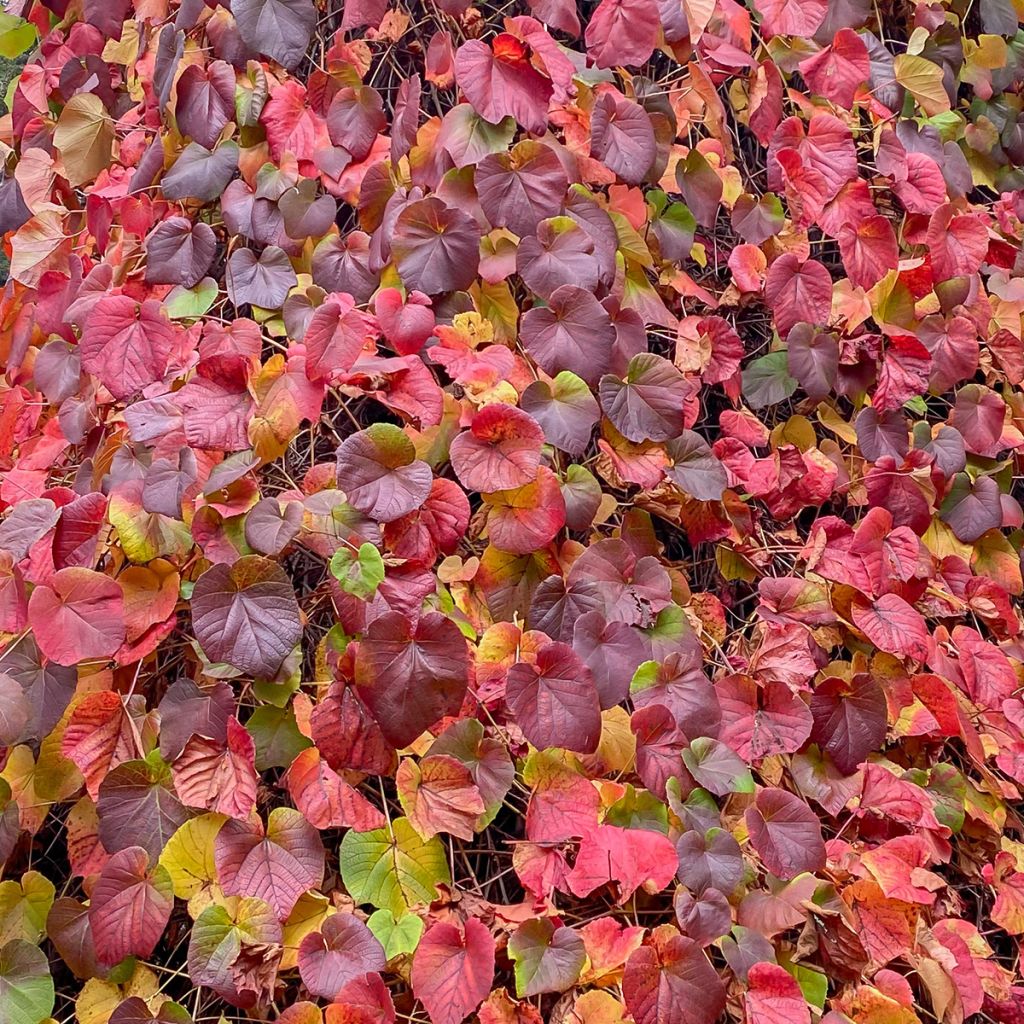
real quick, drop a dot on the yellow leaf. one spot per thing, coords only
(307, 917)
(84, 137)
(98, 999)
(188, 855)
(24, 906)
(923, 80)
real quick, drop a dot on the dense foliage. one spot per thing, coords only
(509, 512)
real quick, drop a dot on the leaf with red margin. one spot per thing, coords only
(343, 950)
(325, 799)
(893, 626)
(500, 451)
(554, 701)
(632, 858)
(411, 675)
(277, 866)
(525, 519)
(246, 615)
(671, 979)
(573, 332)
(77, 616)
(130, 906)
(126, 344)
(218, 776)
(453, 969)
(336, 335)
(786, 833)
(773, 996)
(439, 795)
(380, 474)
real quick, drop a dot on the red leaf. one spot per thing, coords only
(452, 970)
(343, 950)
(555, 701)
(786, 833)
(672, 979)
(501, 450)
(774, 997)
(411, 676)
(130, 906)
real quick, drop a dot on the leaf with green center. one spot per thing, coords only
(235, 951)
(393, 870)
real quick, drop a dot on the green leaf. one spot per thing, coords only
(359, 574)
(766, 381)
(277, 737)
(16, 36)
(26, 988)
(24, 906)
(397, 935)
(191, 303)
(393, 870)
